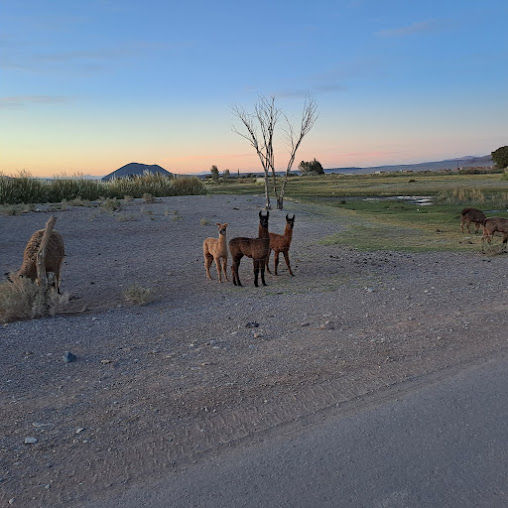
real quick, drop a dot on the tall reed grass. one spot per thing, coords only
(473, 196)
(23, 189)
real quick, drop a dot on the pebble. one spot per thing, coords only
(328, 325)
(30, 440)
(69, 357)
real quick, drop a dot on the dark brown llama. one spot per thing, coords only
(281, 243)
(469, 215)
(495, 225)
(255, 248)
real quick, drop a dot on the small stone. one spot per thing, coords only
(328, 325)
(305, 324)
(104, 362)
(79, 430)
(257, 335)
(30, 440)
(69, 357)
(11, 500)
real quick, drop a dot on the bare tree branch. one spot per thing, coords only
(265, 118)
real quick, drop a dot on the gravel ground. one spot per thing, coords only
(208, 366)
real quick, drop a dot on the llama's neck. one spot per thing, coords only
(288, 232)
(263, 232)
(222, 241)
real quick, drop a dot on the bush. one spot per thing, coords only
(137, 295)
(24, 299)
(188, 185)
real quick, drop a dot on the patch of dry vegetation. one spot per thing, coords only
(137, 295)
(23, 299)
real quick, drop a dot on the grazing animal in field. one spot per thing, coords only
(216, 249)
(255, 248)
(55, 253)
(469, 215)
(495, 225)
(281, 243)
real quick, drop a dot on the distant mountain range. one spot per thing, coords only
(462, 162)
(136, 169)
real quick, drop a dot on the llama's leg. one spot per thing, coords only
(267, 261)
(276, 261)
(476, 227)
(208, 263)
(235, 269)
(462, 225)
(57, 278)
(286, 257)
(256, 263)
(505, 240)
(225, 268)
(219, 270)
(263, 274)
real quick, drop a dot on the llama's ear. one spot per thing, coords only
(226, 225)
(218, 224)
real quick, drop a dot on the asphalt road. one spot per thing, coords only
(442, 442)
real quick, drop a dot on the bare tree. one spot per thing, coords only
(259, 130)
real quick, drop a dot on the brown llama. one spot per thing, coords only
(255, 248)
(469, 215)
(216, 249)
(281, 243)
(55, 253)
(495, 225)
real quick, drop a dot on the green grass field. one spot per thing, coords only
(384, 222)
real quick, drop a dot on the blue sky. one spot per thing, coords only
(86, 87)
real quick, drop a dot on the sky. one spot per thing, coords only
(87, 87)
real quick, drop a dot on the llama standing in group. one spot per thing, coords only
(469, 215)
(255, 248)
(495, 225)
(55, 253)
(216, 249)
(281, 243)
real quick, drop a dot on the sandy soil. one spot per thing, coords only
(206, 366)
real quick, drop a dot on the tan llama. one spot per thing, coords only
(55, 253)
(217, 249)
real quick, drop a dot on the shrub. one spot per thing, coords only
(110, 204)
(188, 185)
(24, 299)
(137, 295)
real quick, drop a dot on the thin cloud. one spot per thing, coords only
(414, 28)
(18, 101)
(312, 91)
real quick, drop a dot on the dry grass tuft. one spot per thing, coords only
(24, 299)
(137, 295)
